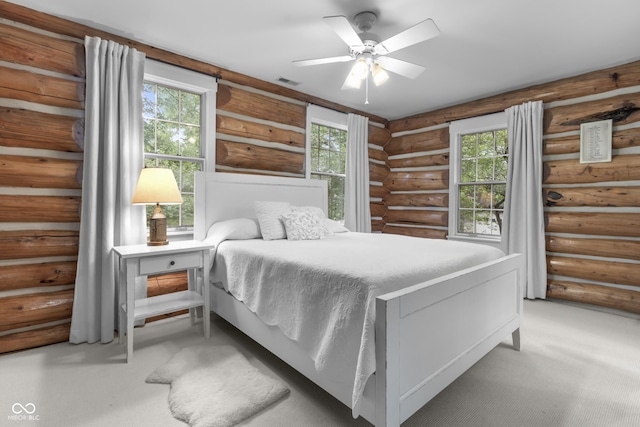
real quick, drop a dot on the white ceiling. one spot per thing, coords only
(486, 47)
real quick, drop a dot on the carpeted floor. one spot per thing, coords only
(577, 367)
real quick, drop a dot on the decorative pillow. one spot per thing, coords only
(269, 216)
(335, 226)
(302, 225)
(234, 229)
(318, 212)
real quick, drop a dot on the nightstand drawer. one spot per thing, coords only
(171, 262)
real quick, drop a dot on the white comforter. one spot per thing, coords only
(321, 293)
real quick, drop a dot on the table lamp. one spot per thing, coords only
(155, 186)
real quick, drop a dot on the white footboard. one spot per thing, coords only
(429, 334)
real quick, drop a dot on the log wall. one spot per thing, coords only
(592, 210)
(41, 134)
(260, 130)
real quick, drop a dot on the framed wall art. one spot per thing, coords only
(595, 141)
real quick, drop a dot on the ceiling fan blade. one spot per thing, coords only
(344, 30)
(420, 32)
(307, 62)
(404, 68)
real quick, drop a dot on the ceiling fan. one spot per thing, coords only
(369, 52)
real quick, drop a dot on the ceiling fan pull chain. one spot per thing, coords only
(366, 89)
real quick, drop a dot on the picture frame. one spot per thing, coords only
(595, 141)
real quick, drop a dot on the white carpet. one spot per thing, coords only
(215, 386)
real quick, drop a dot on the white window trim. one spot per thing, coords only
(456, 130)
(322, 116)
(191, 81)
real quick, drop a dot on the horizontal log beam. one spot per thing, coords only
(249, 156)
(26, 47)
(415, 181)
(24, 128)
(596, 223)
(429, 233)
(37, 275)
(621, 109)
(377, 155)
(377, 225)
(621, 273)
(378, 172)
(593, 196)
(38, 243)
(620, 168)
(437, 139)
(39, 172)
(602, 296)
(32, 309)
(440, 200)
(19, 208)
(259, 106)
(571, 144)
(41, 89)
(167, 283)
(260, 131)
(378, 191)
(34, 338)
(378, 136)
(609, 248)
(420, 161)
(418, 217)
(378, 209)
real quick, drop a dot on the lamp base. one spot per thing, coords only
(157, 228)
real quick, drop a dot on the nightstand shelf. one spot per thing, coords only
(143, 260)
(163, 304)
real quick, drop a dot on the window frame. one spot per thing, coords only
(324, 117)
(204, 85)
(489, 122)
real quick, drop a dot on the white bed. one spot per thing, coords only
(426, 334)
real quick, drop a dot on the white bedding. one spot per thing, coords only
(321, 293)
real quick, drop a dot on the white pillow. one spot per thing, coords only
(311, 209)
(234, 229)
(335, 226)
(303, 225)
(269, 216)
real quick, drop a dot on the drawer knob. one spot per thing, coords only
(172, 263)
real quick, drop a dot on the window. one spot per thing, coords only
(479, 158)
(327, 153)
(176, 131)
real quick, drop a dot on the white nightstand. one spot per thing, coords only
(143, 260)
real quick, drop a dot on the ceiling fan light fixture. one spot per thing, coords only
(360, 69)
(352, 82)
(379, 74)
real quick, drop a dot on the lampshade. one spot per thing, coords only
(156, 185)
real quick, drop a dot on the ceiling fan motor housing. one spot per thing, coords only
(365, 20)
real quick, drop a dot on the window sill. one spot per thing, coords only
(496, 242)
(174, 236)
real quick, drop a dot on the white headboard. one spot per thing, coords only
(220, 196)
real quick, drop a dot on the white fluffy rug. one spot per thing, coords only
(215, 386)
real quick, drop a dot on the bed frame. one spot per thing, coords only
(427, 335)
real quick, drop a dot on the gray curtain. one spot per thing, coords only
(113, 157)
(357, 212)
(523, 222)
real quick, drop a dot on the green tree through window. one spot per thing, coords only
(328, 160)
(172, 140)
(482, 187)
